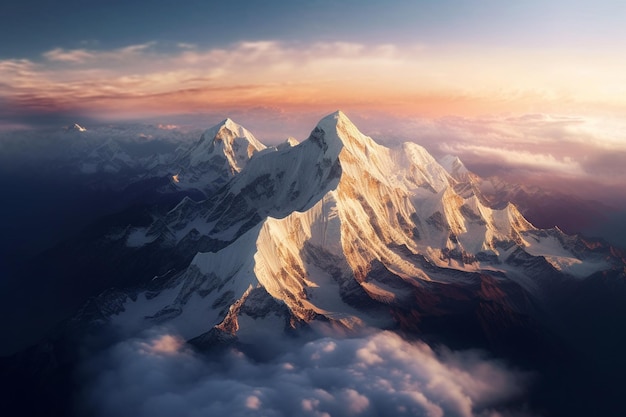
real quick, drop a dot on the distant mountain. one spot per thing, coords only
(108, 157)
(76, 128)
(546, 208)
(543, 207)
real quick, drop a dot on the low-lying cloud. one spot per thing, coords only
(380, 374)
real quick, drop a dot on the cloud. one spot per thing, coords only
(380, 374)
(168, 126)
(61, 55)
(408, 79)
(513, 158)
(163, 345)
(550, 150)
(83, 55)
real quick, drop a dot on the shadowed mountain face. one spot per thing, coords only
(336, 232)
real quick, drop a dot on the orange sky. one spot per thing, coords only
(469, 100)
(143, 80)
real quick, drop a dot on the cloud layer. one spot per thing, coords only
(156, 79)
(380, 374)
(581, 155)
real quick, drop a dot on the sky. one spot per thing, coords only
(537, 76)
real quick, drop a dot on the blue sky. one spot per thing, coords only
(429, 58)
(31, 27)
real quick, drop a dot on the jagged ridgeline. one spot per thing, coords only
(237, 244)
(341, 230)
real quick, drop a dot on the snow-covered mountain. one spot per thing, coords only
(75, 128)
(544, 207)
(108, 157)
(339, 229)
(329, 236)
(222, 152)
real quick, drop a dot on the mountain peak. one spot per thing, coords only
(228, 131)
(457, 170)
(338, 114)
(336, 119)
(453, 165)
(337, 134)
(336, 130)
(229, 123)
(75, 128)
(227, 142)
(290, 142)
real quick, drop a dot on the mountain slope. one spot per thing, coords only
(334, 235)
(340, 229)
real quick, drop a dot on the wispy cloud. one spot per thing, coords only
(515, 158)
(84, 55)
(61, 55)
(548, 150)
(406, 79)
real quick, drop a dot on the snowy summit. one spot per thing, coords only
(75, 128)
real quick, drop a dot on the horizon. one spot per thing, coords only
(574, 160)
(536, 88)
(597, 182)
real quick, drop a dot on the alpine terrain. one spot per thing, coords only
(342, 230)
(340, 234)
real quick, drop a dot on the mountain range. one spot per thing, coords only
(336, 223)
(247, 243)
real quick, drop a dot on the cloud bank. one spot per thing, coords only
(380, 374)
(157, 79)
(577, 154)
